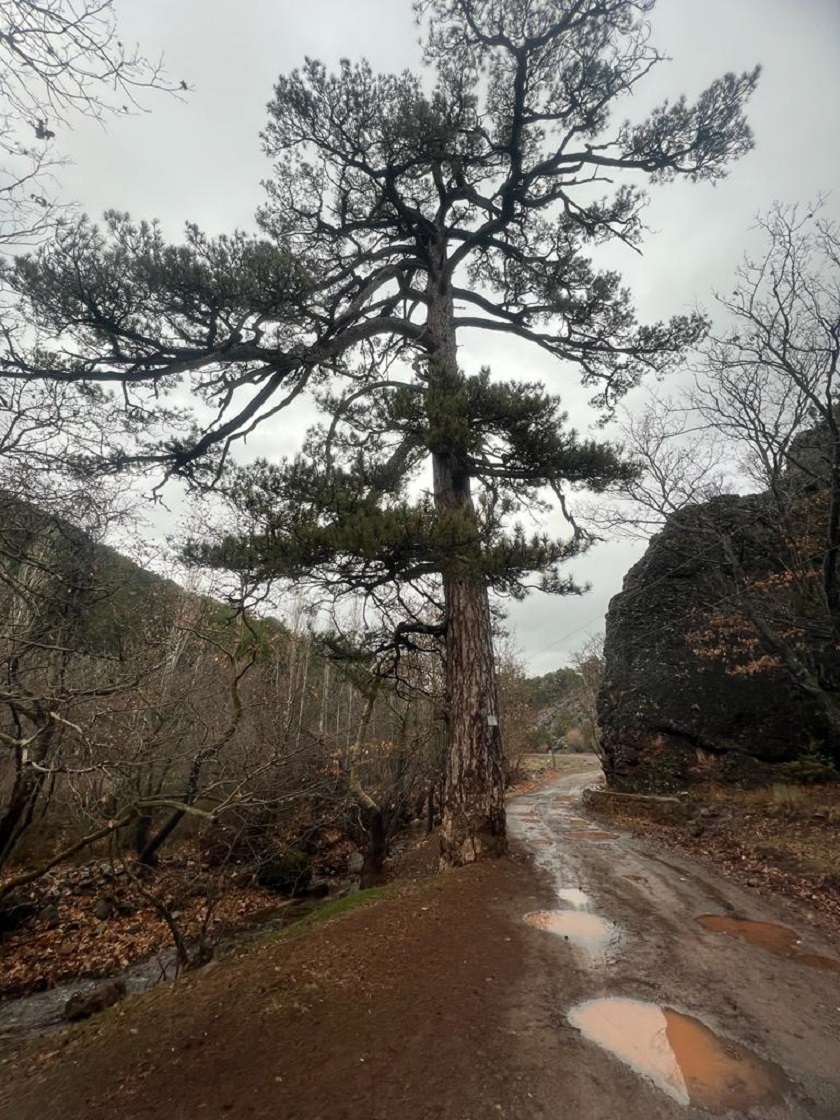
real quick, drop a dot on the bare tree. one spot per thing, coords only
(579, 705)
(59, 59)
(53, 657)
(774, 372)
(681, 460)
(763, 409)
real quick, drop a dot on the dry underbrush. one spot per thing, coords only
(91, 921)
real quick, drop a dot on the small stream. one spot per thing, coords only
(31, 1016)
(37, 1014)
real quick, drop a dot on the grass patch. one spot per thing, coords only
(784, 794)
(330, 910)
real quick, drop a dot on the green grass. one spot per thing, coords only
(330, 910)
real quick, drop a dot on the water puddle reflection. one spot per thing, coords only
(586, 931)
(680, 1055)
(575, 897)
(776, 939)
(541, 843)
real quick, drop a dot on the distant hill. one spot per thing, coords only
(63, 580)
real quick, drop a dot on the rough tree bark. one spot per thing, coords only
(473, 804)
(473, 809)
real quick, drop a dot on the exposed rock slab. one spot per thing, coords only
(668, 716)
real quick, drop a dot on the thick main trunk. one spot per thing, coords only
(17, 815)
(473, 810)
(473, 802)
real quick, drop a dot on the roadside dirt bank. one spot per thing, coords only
(784, 840)
(410, 1007)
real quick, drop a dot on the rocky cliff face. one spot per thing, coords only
(689, 693)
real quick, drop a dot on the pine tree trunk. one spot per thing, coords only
(473, 811)
(473, 805)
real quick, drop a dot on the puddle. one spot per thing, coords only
(586, 931)
(578, 822)
(776, 939)
(575, 897)
(541, 843)
(563, 799)
(591, 834)
(680, 1055)
(814, 960)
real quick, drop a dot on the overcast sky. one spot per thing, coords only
(200, 160)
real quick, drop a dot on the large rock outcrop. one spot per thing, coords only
(689, 693)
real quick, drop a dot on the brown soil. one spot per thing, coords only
(770, 936)
(403, 1008)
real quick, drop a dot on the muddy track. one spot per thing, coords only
(571, 982)
(668, 1017)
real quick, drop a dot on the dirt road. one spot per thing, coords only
(571, 982)
(646, 983)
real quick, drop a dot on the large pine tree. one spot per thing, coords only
(404, 211)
